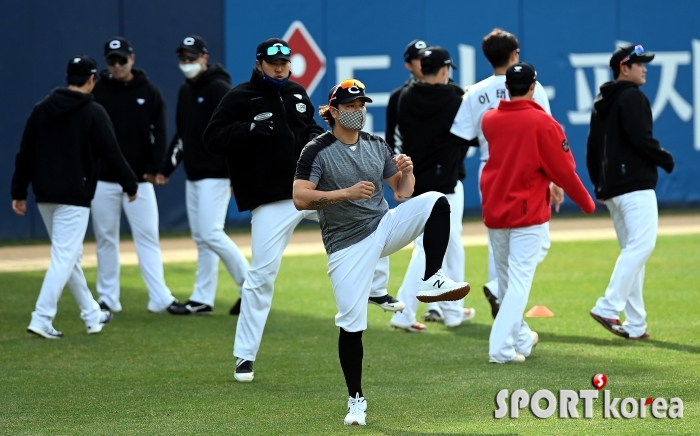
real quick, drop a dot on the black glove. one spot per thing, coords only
(262, 127)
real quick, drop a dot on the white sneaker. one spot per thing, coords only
(519, 358)
(45, 332)
(467, 315)
(244, 371)
(357, 411)
(416, 327)
(535, 339)
(105, 318)
(441, 288)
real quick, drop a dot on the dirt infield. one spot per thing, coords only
(308, 241)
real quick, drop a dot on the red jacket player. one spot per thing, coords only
(528, 150)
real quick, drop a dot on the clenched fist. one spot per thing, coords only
(403, 163)
(360, 191)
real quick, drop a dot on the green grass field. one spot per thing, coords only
(159, 374)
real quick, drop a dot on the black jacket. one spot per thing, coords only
(391, 133)
(622, 155)
(196, 103)
(262, 167)
(137, 111)
(63, 139)
(425, 117)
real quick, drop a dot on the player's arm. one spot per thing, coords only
(225, 130)
(637, 123)
(24, 159)
(558, 165)
(306, 197)
(159, 139)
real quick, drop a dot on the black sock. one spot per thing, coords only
(350, 353)
(436, 236)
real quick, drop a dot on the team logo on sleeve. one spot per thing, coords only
(301, 107)
(262, 116)
(565, 145)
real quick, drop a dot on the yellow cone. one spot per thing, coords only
(539, 312)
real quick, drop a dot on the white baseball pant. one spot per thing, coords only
(207, 204)
(453, 265)
(142, 214)
(635, 216)
(66, 226)
(272, 225)
(351, 269)
(492, 283)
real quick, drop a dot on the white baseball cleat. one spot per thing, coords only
(416, 327)
(439, 287)
(357, 411)
(105, 318)
(45, 332)
(468, 314)
(519, 358)
(244, 370)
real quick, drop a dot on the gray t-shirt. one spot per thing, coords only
(332, 165)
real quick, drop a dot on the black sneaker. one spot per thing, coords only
(103, 306)
(244, 370)
(611, 325)
(433, 315)
(493, 301)
(189, 308)
(236, 309)
(388, 303)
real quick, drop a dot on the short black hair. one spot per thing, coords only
(616, 72)
(518, 90)
(77, 80)
(431, 71)
(498, 45)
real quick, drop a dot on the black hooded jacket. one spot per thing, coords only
(262, 167)
(196, 103)
(622, 154)
(137, 111)
(65, 136)
(425, 117)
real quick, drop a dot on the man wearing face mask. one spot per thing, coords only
(425, 112)
(261, 126)
(137, 110)
(208, 184)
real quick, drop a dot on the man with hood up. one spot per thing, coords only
(65, 137)
(208, 186)
(137, 110)
(425, 112)
(261, 127)
(622, 157)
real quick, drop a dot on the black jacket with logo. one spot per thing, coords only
(65, 138)
(425, 115)
(196, 103)
(137, 110)
(262, 167)
(622, 154)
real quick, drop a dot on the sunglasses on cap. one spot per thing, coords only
(113, 60)
(278, 49)
(346, 84)
(638, 50)
(190, 57)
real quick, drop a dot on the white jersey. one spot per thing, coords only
(481, 97)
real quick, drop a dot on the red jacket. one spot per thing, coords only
(528, 149)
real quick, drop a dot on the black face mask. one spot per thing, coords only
(272, 82)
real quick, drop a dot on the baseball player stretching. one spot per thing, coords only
(528, 149)
(137, 110)
(502, 50)
(622, 158)
(425, 112)
(207, 188)
(340, 174)
(65, 138)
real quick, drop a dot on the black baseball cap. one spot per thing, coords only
(81, 66)
(412, 50)
(267, 53)
(521, 73)
(346, 91)
(118, 46)
(630, 54)
(435, 57)
(193, 44)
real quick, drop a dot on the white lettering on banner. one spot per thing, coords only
(467, 65)
(666, 94)
(345, 67)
